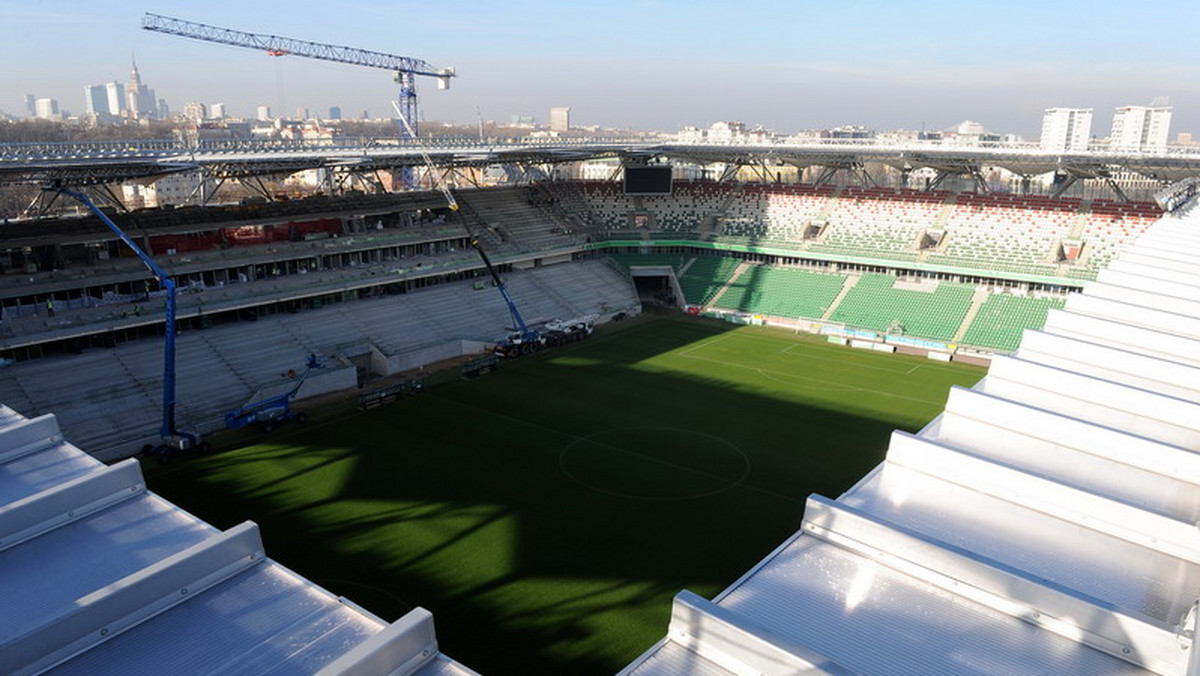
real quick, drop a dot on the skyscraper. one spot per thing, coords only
(195, 111)
(335, 113)
(262, 113)
(95, 100)
(30, 105)
(1066, 129)
(46, 109)
(116, 102)
(139, 99)
(1141, 127)
(217, 111)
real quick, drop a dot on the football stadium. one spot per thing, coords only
(761, 408)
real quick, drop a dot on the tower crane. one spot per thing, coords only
(406, 68)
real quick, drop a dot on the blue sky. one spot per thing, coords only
(643, 64)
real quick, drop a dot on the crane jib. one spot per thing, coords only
(276, 45)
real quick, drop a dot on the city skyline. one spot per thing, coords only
(645, 65)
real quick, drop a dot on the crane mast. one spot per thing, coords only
(406, 68)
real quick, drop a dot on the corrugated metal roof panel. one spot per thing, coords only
(98, 576)
(1044, 524)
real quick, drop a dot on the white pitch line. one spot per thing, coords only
(828, 383)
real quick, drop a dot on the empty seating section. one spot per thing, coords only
(776, 213)
(685, 209)
(514, 212)
(874, 304)
(1006, 233)
(610, 208)
(681, 212)
(782, 292)
(1001, 319)
(220, 368)
(999, 233)
(705, 277)
(1109, 227)
(880, 223)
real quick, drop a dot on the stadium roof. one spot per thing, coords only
(100, 576)
(88, 163)
(1045, 522)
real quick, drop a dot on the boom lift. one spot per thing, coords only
(173, 439)
(272, 410)
(524, 340)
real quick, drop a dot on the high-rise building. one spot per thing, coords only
(46, 109)
(335, 113)
(195, 111)
(560, 119)
(139, 99)
(217, 111)
(116, 101)
(262, 113)
(95, 100)
(1066, 129)
(301, 113)
(30, 106)
(164, 111)
(1141, 127)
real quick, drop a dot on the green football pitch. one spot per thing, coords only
(548, 512)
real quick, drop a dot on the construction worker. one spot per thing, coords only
(50, 306)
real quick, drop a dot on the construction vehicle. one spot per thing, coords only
(173, 440)
(274, 410)
(521, 339)
(564, 331)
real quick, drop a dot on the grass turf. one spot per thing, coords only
(546, 514)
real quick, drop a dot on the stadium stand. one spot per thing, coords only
(880, 223)
(934, 312)
(1110, 226)
(1051, 509)
(782, 292)
(997, 234)
(101, 576)
(1006, 233)
(776, 214)
(705, 277)
(515, 212)
(680, 213)
(1000, 321)
(222, 367)
(277, 262)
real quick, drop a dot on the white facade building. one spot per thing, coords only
(560, 119)
(46, 109)
(1066, 128)
(195, 111)
(116, 97)
(216, 111)
(1140, 127)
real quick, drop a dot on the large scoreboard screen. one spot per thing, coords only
(647, 180)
